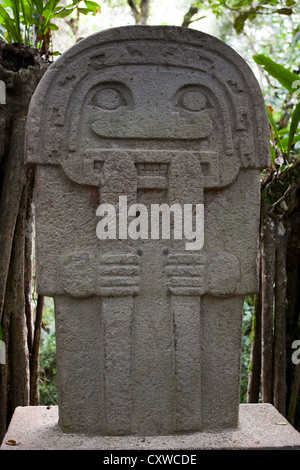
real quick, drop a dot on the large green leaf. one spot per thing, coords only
(48, 13)
(26, 11)
(16, 11)
(92, 6)
(240, 22)
(63, 12)
(285, 77)
(49, 9)
(84, 11)
(52, 26)
(9, 24)
(285, 141)
(39, 6)
(293, 128)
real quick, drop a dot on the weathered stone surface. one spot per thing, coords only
(148, 332)
(260, 426)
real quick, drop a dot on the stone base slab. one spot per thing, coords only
(261, 426)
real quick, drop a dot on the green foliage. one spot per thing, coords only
(243, 11)
(285, 77)
(47, 357)
(30, 22)
(293, 128)
(284, 138)
(246, 345)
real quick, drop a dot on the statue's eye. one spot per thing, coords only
(193, 100)
(109, 98)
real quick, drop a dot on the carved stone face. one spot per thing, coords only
(151, 103)
(152, 94)
(151, 113)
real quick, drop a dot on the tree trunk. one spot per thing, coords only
(294, 398)
(139, 10)
(267, 293)
(21, 68)
(13, 182)
(279, 373)
(279, 297)
(14, 310)
(188, 17)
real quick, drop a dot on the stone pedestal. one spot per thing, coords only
(261, 426)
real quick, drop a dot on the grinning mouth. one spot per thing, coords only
(151, 166)
(148, 166)
(152, 169)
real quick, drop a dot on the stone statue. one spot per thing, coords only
(148, 332)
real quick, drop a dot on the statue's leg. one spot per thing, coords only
(221, 336)
(187, 356)
(80, 363)
(117, 315)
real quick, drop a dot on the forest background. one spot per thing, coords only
(267, 35)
